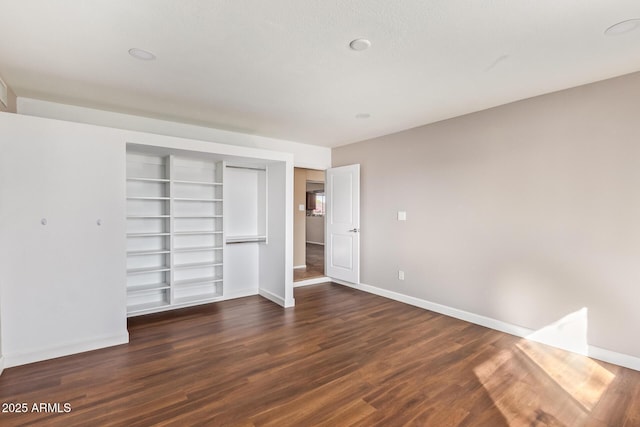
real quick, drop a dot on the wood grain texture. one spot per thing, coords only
(314, 264)
(339, 358)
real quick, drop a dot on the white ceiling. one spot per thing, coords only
(283, 68)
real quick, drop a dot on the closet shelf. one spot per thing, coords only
(147, 288)
(147, 179)
(196, 216)
(199, 264)
(198, 249)
(204, 298)
(146, 198)
(146, 234)
(194, 233)
(199, 281)
(194, 199)
(148, 252)
(181, 181)
(148, 269)
(246, 239)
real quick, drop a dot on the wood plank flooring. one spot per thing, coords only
(339, 358)
(314, 263)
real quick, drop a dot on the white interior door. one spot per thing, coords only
(342, 240)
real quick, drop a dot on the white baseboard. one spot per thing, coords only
(594, 352)
(66, 350)
(300, 266)
(316, 243)
(313, 281)
(240, 293)
(277, 298)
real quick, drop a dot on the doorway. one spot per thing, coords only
(309, 223)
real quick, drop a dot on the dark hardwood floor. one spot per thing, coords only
(314, 264)
(339, 358)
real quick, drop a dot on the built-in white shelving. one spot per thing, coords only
(199, 249)
(174, 232)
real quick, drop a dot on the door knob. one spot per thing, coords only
(354, 230)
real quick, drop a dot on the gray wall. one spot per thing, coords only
(524, 213)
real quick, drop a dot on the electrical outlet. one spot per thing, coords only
(400, 275)
(301, 208)
(402, 215)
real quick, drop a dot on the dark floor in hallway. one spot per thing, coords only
(314, 264)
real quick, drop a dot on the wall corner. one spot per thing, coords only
(11, 99)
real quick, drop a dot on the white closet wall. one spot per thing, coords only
(245, 228)
(62, 198)
(274, 279)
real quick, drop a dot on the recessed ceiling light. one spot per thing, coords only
(145, 55)
(360, 44)
(363, 115)
(623, 27)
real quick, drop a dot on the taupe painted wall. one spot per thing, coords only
(523, 213)
(299, 229)
(315, 229)
(315, 175)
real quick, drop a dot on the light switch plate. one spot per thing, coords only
(301, 208)
(402, 216)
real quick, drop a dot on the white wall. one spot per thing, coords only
(276, 257)
(244, 211)
(306, 156)
(63, 289)
(524, 213)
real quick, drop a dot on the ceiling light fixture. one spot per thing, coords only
(363, 115)
(623, 27)
(360, 44)
(142, 54)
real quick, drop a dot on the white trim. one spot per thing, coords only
(315, 243)
(65, 350)
(300, 266)
(620, 359)
(313, 281)
(241, 293)
(1, 364)
(277, 299)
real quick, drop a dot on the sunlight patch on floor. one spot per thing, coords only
(580, 377)
(535, 383)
